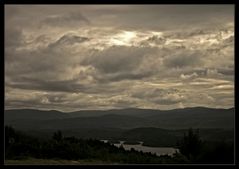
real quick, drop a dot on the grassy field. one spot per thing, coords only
(33, 161)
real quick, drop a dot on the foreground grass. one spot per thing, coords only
(33, 161)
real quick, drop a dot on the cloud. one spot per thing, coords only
(184, 58)
(116, 59)
(119, 62)
(159, 40)
(47, 85)
(189, 76)
(160, 96)
(14, 38)
(169, 99)
(119, 56)
(68, 39)
(212, 72)
(228, 71)
(65, 19)
(166, 17)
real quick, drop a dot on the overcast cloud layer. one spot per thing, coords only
(73, 57)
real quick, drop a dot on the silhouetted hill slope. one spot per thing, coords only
(165, 137)
(197, 117)
(33, 114)
(106, 121)
(128, 111)
(150, 136)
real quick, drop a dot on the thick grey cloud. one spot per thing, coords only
(13, 37)
(164, 17)
(183, 59)
(47, 85)
(119, 63)
(116, 59)
(118, 56)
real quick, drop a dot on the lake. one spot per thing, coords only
(139, 147)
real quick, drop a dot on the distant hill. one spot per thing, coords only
(105, 121)
(128, 112)
(197, 117)
(164, 137)
(33, 114)
(150, 136)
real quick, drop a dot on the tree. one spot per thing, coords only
(10, 135)
(191, 145)
(57, 136)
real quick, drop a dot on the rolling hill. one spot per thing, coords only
(197, 117)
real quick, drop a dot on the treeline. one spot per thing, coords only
(19, 145)
(200, 151)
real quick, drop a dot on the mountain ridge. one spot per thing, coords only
(124, 118)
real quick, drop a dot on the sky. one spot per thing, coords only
(77, 57)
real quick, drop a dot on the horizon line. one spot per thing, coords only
(115, 109)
